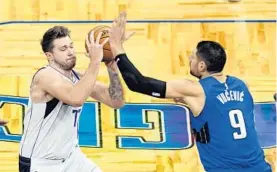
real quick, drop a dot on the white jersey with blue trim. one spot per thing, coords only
(50, 128)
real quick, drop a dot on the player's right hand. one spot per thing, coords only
(95, 48)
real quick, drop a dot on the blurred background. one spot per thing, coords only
(166, 34)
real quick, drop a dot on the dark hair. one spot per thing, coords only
(51, 34)
(213, 54)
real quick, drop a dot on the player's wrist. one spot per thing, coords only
(112, 68)
(111, 65)
(94, 62)
(117, 49)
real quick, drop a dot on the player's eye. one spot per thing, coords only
(63, 48)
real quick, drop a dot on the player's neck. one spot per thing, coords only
(216, 75)
(67, 73)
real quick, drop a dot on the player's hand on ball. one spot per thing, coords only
(95, 49)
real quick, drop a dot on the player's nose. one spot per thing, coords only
(70, 52)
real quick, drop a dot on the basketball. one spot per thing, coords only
(108, 56)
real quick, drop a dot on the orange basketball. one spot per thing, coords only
(108, 56)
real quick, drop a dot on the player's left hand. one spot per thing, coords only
(119, 28)
(121, 23)
(127, 35)
(117, 32)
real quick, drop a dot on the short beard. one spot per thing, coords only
(197, 76)
(65, 66)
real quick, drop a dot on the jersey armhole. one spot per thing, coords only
(35, 75)
(205, 101)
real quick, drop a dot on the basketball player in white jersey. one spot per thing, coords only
(57, 93)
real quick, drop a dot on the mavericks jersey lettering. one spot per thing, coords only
(50, 129)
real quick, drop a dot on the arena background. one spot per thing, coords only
(166, 33)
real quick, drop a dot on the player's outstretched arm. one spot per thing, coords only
(140, 83)
(154, 87)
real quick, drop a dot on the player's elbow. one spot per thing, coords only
(132, 88)
(133, 82)
(118, 104)
(76, 102)
(76, 98)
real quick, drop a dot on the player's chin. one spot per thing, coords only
(195, 75)
(192, 73)
(73, 65)
(70, 65)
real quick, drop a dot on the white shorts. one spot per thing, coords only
(76, 162)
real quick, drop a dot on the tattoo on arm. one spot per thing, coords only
(115, 88)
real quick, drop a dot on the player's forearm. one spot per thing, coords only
(137, 82)
(82, 90)
(115, 87)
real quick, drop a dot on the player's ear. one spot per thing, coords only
(202, 66)
(49, 56)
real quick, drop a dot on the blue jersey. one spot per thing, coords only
(225, 132)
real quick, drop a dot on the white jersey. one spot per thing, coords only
(50, 129)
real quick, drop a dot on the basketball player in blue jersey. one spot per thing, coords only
(221, 105)
(57, 94)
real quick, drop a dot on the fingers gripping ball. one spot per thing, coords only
(108, 56)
